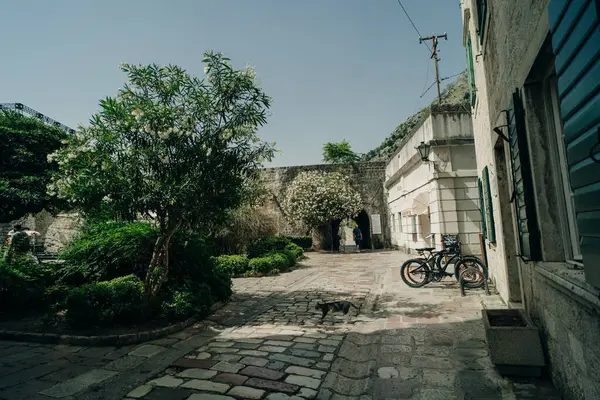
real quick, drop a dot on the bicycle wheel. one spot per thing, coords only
(475, 279)
(415, 273)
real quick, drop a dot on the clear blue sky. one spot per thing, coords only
(336, 69)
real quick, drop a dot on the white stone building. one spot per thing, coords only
(438, 196)
(534, 69)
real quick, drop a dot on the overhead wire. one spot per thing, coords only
(413, 24)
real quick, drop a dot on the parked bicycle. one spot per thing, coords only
(432, 267)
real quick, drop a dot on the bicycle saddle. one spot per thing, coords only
(425, 249)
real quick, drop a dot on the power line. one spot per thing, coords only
(450, 77)
(430, 86)
(412, 23)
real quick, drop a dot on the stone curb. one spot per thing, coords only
(106, 340)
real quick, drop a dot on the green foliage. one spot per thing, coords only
(339, 153)
(172, 147)
(315, 198)
(281, 260)
(22, 284)
(192, 301)
(263, 265)
(290, 257)
(107, 250)
(265, 245)
(454, 94)
(304, 242)
(232, 265)
(24, 166)
(118, 301)
(295, 250)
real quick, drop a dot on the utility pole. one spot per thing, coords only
(434, 41)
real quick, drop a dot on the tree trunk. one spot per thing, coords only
(158, 269)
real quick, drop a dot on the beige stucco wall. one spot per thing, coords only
(449, 180)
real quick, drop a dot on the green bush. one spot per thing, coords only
(284, 258)
(23, 282)
(266, 245)
(191, 263)
(296, 250)
(231, 265)
(274, 261)
(191, 301)
(262, 265)
(305, 242)
(107, 250)
(281, 260)
(118, 301)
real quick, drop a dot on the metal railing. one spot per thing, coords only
(23, 109)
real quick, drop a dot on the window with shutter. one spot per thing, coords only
(489, 209)
(400, 222)
(482, 209)
(481, 18)
(471, 73)
(529, 235)
(575, 28)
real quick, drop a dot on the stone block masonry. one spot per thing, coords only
(367, 178)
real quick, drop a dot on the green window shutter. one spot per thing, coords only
(414, 223)
(575, 28)
(481, 17)
(482, 209)
(471, 73)
(489, 209)
(529, 234)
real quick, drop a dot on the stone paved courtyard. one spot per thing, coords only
(268, 343)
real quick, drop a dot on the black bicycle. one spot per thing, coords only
(418, 272)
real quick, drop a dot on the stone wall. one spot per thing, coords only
(55, 231)
(553, 292)
(367, 178)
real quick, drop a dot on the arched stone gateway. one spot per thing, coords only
(367, 179)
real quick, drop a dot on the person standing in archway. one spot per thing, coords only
(356, 232)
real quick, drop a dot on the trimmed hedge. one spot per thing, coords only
(231, 265)
(266, 245)
(107, 250)
(118, 301)
(296, 250)
(305, 242)
(194, 300)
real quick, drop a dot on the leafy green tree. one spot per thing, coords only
(24, 167)
(321, 200)
(171, 147)
(339, 153)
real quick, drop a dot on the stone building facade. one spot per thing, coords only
(437, 197)
(534, 68)
(367, 179)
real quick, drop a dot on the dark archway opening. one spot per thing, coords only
(364, 224)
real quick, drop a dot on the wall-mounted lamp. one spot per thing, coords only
(423, 150)
(500, 133)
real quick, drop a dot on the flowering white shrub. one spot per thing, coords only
(171, 147)
(317, 197)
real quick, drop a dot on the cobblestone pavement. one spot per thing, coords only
(268, 343)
